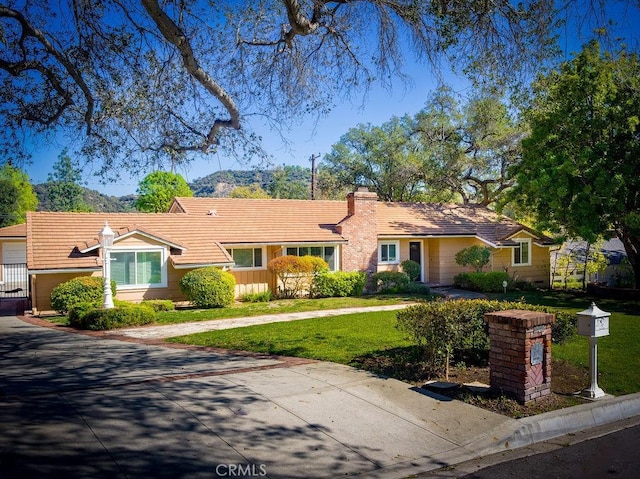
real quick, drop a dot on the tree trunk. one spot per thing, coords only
(632, 247)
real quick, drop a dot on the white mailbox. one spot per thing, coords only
(593, 322)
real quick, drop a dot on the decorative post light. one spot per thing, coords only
(106, 241)
(593, 322)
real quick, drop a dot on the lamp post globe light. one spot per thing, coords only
(106, 242)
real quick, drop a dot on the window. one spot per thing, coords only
(142, 268)
(388, 252)
(246, 257)
(522, 253)
(327, 253)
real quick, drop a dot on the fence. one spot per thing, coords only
(14, 281)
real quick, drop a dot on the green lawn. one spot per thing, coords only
(346, 339)
(282, 306)
(339, 338)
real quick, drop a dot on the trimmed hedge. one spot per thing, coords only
(490, 282)
(209, 287)
(92, 317)
(389, 282)
(330, 284)
(82, 289)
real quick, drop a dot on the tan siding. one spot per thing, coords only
(137, 241)
(433, 263)
(538, 272)
(448, 267)
(251, 282)
(43, 284)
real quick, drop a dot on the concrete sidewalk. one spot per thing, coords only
(79, 406)
(172, 330)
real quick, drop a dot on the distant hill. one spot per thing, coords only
(218, 184)
(96, 200)
(221, 183)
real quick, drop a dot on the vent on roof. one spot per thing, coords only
(212, 212)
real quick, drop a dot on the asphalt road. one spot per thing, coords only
(614, 455)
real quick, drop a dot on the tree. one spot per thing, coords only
(475, 256)
(158, 189)
(16, 196)
(64, 192)
(290, 182)
(468, 149)
(251, 191)
(144, 85)
(446, 152)
(580, 164)
(384, 158)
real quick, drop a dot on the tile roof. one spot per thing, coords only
(14, 231)
(431, 219)
(241, 220)
(55, 239)
(197, 229)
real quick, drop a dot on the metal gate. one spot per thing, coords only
(14, 281)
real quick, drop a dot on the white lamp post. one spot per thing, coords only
(106, 241)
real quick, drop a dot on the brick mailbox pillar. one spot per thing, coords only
(520, 353)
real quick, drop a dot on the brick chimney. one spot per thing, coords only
(359, 228)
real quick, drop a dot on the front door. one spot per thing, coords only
(415, 254)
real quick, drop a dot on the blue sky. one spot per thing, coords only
(310, 137)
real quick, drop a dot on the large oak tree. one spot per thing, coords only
(139, 85)
(448, 151)
(580, 171)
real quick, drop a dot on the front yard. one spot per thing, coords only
(371, 341)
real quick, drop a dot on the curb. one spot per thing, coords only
(553, 424)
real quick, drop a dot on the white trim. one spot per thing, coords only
(201, 265)
(395, 243)
(528, 242)
(523, 231)
(422, 258)
(263, 253)
(283, 244)
(423, 237)
(336, 251)
(64, 270)
(146, 249)
(140, 233)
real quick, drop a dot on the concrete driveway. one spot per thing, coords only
(78, 406)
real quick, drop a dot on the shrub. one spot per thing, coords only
(411, 269)
(209, 287)
(263, 297)
(443, 328)
(329, 284)
(417, 288)
(78, 311)
(82, 289)
(484, 282)
(117, 317)
(475, 256)
(389, 282)
(160, 304)
(296, 273)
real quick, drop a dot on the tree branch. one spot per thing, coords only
(174, 35)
